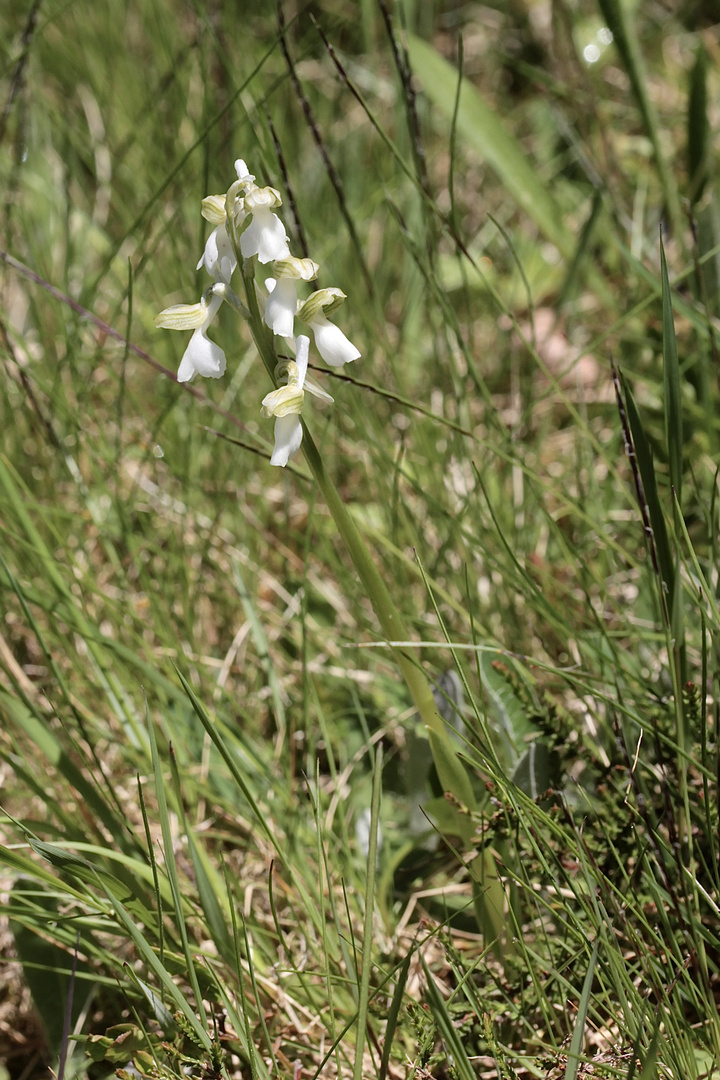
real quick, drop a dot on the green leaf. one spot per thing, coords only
(442, 814)
(489, 903)
(643, 455)
(462, 1066)
(535, 770)
(23, 865)
(487, 133)
(576, 1043)
(508, 711)
(46, 966)
(698, 128)
(671, 371)
(118, 1045)
(209, 887)
(628, 47)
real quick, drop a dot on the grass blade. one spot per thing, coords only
(147, 954)
(170, 865)
(486, 132)
(625, 38)
(649, 499)
(368, 935)
(455, 1047)
(698, 127)
(671, 372)
(576, 1043)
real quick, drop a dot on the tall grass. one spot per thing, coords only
(226, 846)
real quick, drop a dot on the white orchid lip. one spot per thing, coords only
(281, 305)
(264, 236)
(334, 347)
(201, 357)
(282, 302)
(288, 438)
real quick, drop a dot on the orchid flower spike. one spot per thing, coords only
(331, 343)
(245, 227)
(202, 356)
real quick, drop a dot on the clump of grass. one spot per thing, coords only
(204, 727)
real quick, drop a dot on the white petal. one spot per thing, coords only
(331, 343)
(265, 237)
(288, 436)
(218, 257)
(280, 306)
(202, 357)
(311, 387)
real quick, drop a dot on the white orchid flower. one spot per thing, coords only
(332, 344)
(218, 258)
(286, 403)
(265, 236)
(282, 302)
(245, 227)
(202, 356)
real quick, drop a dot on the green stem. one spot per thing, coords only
(451, 771)
(453, 776)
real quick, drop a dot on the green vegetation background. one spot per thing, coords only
(201, 722)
